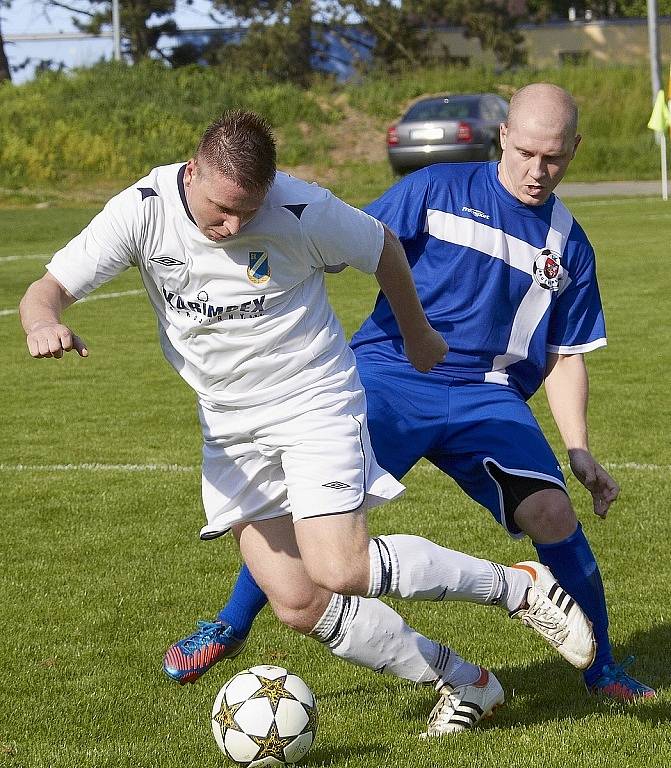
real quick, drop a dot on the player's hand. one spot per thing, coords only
(425, 349)
(594, 477)
(53, 340)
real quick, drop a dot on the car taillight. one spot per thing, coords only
(392, 136)
(464, 133)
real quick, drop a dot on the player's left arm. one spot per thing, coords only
(567, 390)
(424, 346)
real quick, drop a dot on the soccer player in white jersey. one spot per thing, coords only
(508, 277)
(232, 255)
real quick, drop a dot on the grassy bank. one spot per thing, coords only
(85, 135)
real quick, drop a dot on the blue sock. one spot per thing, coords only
(246, 600)
(574, 566)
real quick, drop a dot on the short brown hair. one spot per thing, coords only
(240, 145)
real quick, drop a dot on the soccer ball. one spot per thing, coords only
(264, 716)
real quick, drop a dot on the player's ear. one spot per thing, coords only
(578, 139)
(189, 171)
(503, 132)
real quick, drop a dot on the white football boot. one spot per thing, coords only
(460, 708)
(556, 616)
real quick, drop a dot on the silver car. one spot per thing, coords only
(447, 129)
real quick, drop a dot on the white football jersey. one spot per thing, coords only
(246, 320)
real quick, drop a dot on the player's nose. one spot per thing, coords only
(233, 224)
(537, 169)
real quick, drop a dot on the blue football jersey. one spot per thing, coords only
(505, 283)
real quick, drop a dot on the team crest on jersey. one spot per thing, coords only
(258, 270)
(548, 271)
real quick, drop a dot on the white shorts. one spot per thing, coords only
(306, 457)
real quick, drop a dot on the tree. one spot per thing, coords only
(412, 29)
(277, 41)
(283, 36)
(139, 37)
(494, 24)
(5, 71)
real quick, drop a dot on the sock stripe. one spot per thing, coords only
(503, 583)
(386, 572)
(385, 561)
(350, 610)
(444, 654)
(347, 608)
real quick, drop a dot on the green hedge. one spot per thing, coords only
(117, 121)
(112, 123)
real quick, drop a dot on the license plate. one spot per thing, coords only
(427, 134)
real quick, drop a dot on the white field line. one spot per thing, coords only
(94, 297)
(25, 257)
(95, 467)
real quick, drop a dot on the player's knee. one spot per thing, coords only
(547, 516)
(344, 576)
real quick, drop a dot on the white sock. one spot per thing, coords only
(371, 634)
(517, 583)
(416, 568)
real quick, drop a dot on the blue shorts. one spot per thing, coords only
(464, 428)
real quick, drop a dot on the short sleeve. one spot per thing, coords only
(337, 233)
(403, 207)
(102, 250)
(577, 323)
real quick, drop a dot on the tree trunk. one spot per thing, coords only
(5, 72)
(300, 24)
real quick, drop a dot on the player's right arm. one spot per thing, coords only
(41, 308)
(102, 250)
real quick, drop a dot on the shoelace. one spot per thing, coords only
(443, 711)
(207, 630)
(543, 613)
(616, 672)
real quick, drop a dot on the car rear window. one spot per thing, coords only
(442, 109)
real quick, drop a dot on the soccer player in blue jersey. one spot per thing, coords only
(507, 276)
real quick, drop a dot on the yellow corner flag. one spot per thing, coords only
(659, 119)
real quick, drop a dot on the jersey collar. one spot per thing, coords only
(182, 192)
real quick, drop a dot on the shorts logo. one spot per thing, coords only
(336, 484)
(258, 270)
(548, 271)
(166, 261)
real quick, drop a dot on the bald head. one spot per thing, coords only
(539, 141)
(547, 103)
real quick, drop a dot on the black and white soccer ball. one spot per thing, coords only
(265, 716)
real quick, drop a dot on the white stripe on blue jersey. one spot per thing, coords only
(504, 282)
(535, 302)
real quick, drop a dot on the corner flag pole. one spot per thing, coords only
(665, 183)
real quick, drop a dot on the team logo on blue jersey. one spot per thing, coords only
(548, 271)
(258, 270)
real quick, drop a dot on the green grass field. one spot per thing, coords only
(101, 567)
